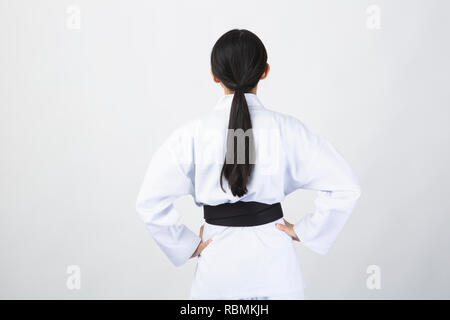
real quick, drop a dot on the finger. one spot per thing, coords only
(201, 231)
(196, 252)
(286, 229)
(282, 227)
(200, 248)
(203, 245)
(287, 222)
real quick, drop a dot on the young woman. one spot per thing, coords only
(238, 162)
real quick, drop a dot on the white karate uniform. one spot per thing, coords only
(246, 262)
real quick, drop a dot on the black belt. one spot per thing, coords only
(242, 214)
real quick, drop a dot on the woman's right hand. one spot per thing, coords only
(202, 245)
(288, 228)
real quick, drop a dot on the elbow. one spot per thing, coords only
(354, 194)
(357, 190)
(139, 206)
(355, 186)
(145, 209)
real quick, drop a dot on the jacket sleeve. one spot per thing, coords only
(322, 168)
(168, 178)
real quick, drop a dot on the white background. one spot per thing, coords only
(82, 111)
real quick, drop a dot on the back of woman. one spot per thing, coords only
(239, 162)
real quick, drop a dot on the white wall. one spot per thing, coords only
(82, 110)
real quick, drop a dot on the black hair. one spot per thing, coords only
(238, 60)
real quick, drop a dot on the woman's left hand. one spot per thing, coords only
(288, 228)
(202, 245)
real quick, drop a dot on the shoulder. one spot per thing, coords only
(301, 144)
(292, 128)
(183, 133)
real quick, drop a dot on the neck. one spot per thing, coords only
(227, 91)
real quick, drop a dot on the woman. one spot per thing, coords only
(238, 162)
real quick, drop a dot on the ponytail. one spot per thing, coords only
(236, 172)
(238, 60)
